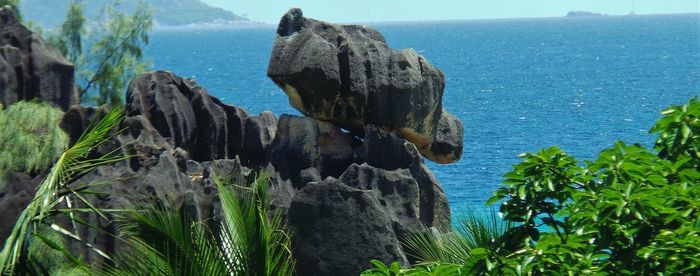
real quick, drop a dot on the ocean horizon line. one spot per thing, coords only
(266, 25)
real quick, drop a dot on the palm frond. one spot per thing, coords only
(169, 238)
(257, 243)
(72, 162)
(472, 231)
(142, 258)
(246, 242)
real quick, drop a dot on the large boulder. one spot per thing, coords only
(383, 149)
(164, 99)
(206, 128)
(337, 229)
(30, 68)
(348, 75)
(386, 190)
(258, 134)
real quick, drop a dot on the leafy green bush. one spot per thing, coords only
(631, 211)
(30, 138)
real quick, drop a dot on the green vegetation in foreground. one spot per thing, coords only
(107, 52)
(247, 242)
(30, 140)
(161, 241)
(56, 197)
(444, 254)
(633, 211)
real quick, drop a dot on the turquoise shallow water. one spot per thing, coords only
(517, 85)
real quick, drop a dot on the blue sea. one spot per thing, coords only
(518, 85)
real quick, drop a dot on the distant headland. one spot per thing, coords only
(583, 14)
(167, 13)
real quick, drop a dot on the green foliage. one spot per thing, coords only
(115, 57)
(31, 139)
(69, 39)
(454, 253)
(260, 244)
(472, 231)
(631, 211)
(42, 249)
(679, 133)
(107, 53)
(427, 269)
(12, 3)
(55, 196)
(247, 242)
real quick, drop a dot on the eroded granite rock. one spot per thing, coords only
(337, 229)
(200, 124)
(30, 68)
(347, 74)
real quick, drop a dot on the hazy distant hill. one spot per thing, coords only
(50, 13)
(583, 14)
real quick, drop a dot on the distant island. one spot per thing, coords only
(167, 13)
(583, 14)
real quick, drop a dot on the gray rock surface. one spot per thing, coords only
(337, 229)
(384, 172)
(78, 118)
(30, 68)
(386, 150)
(18, 191)
(348, 75)
(206, 128)
(449, 141)
(302, 143)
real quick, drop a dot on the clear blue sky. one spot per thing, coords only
(270, 11)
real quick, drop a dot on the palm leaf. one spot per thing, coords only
(72, 163)
(258, 245)
(246, 242)
(472, 231)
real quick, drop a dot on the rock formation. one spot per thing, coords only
(30, 68)
(200, 124)
(348, 75)
(347, 195)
